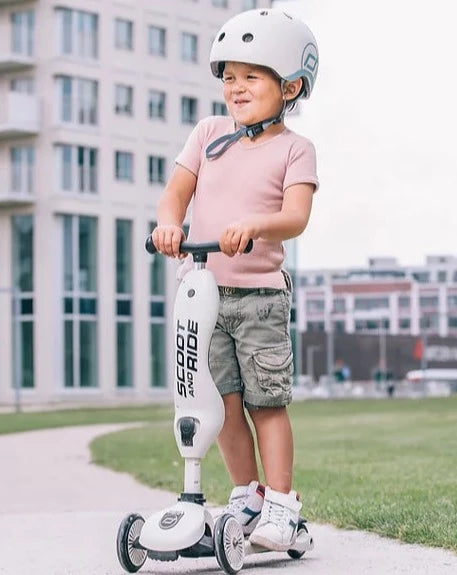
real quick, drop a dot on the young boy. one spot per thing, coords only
(251, 177)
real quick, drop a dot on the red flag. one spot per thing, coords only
(418, 351)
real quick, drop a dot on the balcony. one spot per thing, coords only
(19, 117)
(12, 2)
(15, 62)
(10, 199)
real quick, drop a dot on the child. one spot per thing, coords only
(251, 177)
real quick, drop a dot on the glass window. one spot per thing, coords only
(123, 34)
(157, 276)
(315, 326)
(189, 47)
(189, 110)
(22, 169)
(339, 305)
(77, 167)
(87, 269)
(452, 300)
(80, 301)
(124, 330)
(124, 354)
(22, 32)
(366, 303)
(248, 5)
(428, 301)
(156, 169)
(23, 85)
(421, 277)
(124, 166)
(78, 101)
(23, 253)
(158, 354)
(404, 323)
(219, 109)
(123, 96)
(315, 305)
(23, 323)
(157, 40)
(220, 3)
(78, 33)
(442, 276)
(157, 104)
(404, 301)
(123, 256)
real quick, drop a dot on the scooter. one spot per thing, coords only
(187, 529)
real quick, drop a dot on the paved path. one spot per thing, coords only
(59, 515)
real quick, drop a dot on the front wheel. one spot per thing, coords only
(129, 551)
(228, 542)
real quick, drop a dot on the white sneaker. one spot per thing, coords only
(277, 527)
(245, 504)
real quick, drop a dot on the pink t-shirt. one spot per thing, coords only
(248, 178)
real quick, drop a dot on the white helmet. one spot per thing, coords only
(268, 38)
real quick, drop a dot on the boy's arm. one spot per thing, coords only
(284, 225)
(171, 211)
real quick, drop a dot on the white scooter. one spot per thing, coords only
(187, 529)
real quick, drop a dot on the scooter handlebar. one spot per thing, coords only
(191, 248)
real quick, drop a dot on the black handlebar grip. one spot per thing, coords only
(149, 245)
(249, 246)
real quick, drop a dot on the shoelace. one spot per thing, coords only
(277, 514)
(235, 505)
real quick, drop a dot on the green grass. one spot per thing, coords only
(384, 466)
(17, 422)
(388, 467)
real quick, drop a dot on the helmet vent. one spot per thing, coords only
(247, 37)
(221, 37)
(264, 13)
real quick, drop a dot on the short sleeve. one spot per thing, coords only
(302, 165)
(190, 155)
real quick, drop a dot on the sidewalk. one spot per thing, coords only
(59, 515)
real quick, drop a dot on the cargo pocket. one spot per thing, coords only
(274, 369)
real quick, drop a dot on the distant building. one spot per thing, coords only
(97, 98)
(399, 300)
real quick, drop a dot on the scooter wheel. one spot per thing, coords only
(294, 553)
(129, 552)
(228, 542)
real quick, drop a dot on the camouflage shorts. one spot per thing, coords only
(251, 350)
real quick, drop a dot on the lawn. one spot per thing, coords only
(387, 466)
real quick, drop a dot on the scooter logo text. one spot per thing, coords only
(170, 519)
(186, 357)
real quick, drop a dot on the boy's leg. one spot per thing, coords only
(275, 444)
(236, 443)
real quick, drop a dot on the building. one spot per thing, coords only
(410, 312)
(400, 300)
(97, 98)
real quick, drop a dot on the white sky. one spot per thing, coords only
(383, 118)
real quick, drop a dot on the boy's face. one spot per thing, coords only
(252, 93)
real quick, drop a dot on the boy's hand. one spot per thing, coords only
(236, 236)
(167, 239)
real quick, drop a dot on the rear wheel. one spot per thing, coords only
(129, 551)
(301, 529)
(228, 542)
